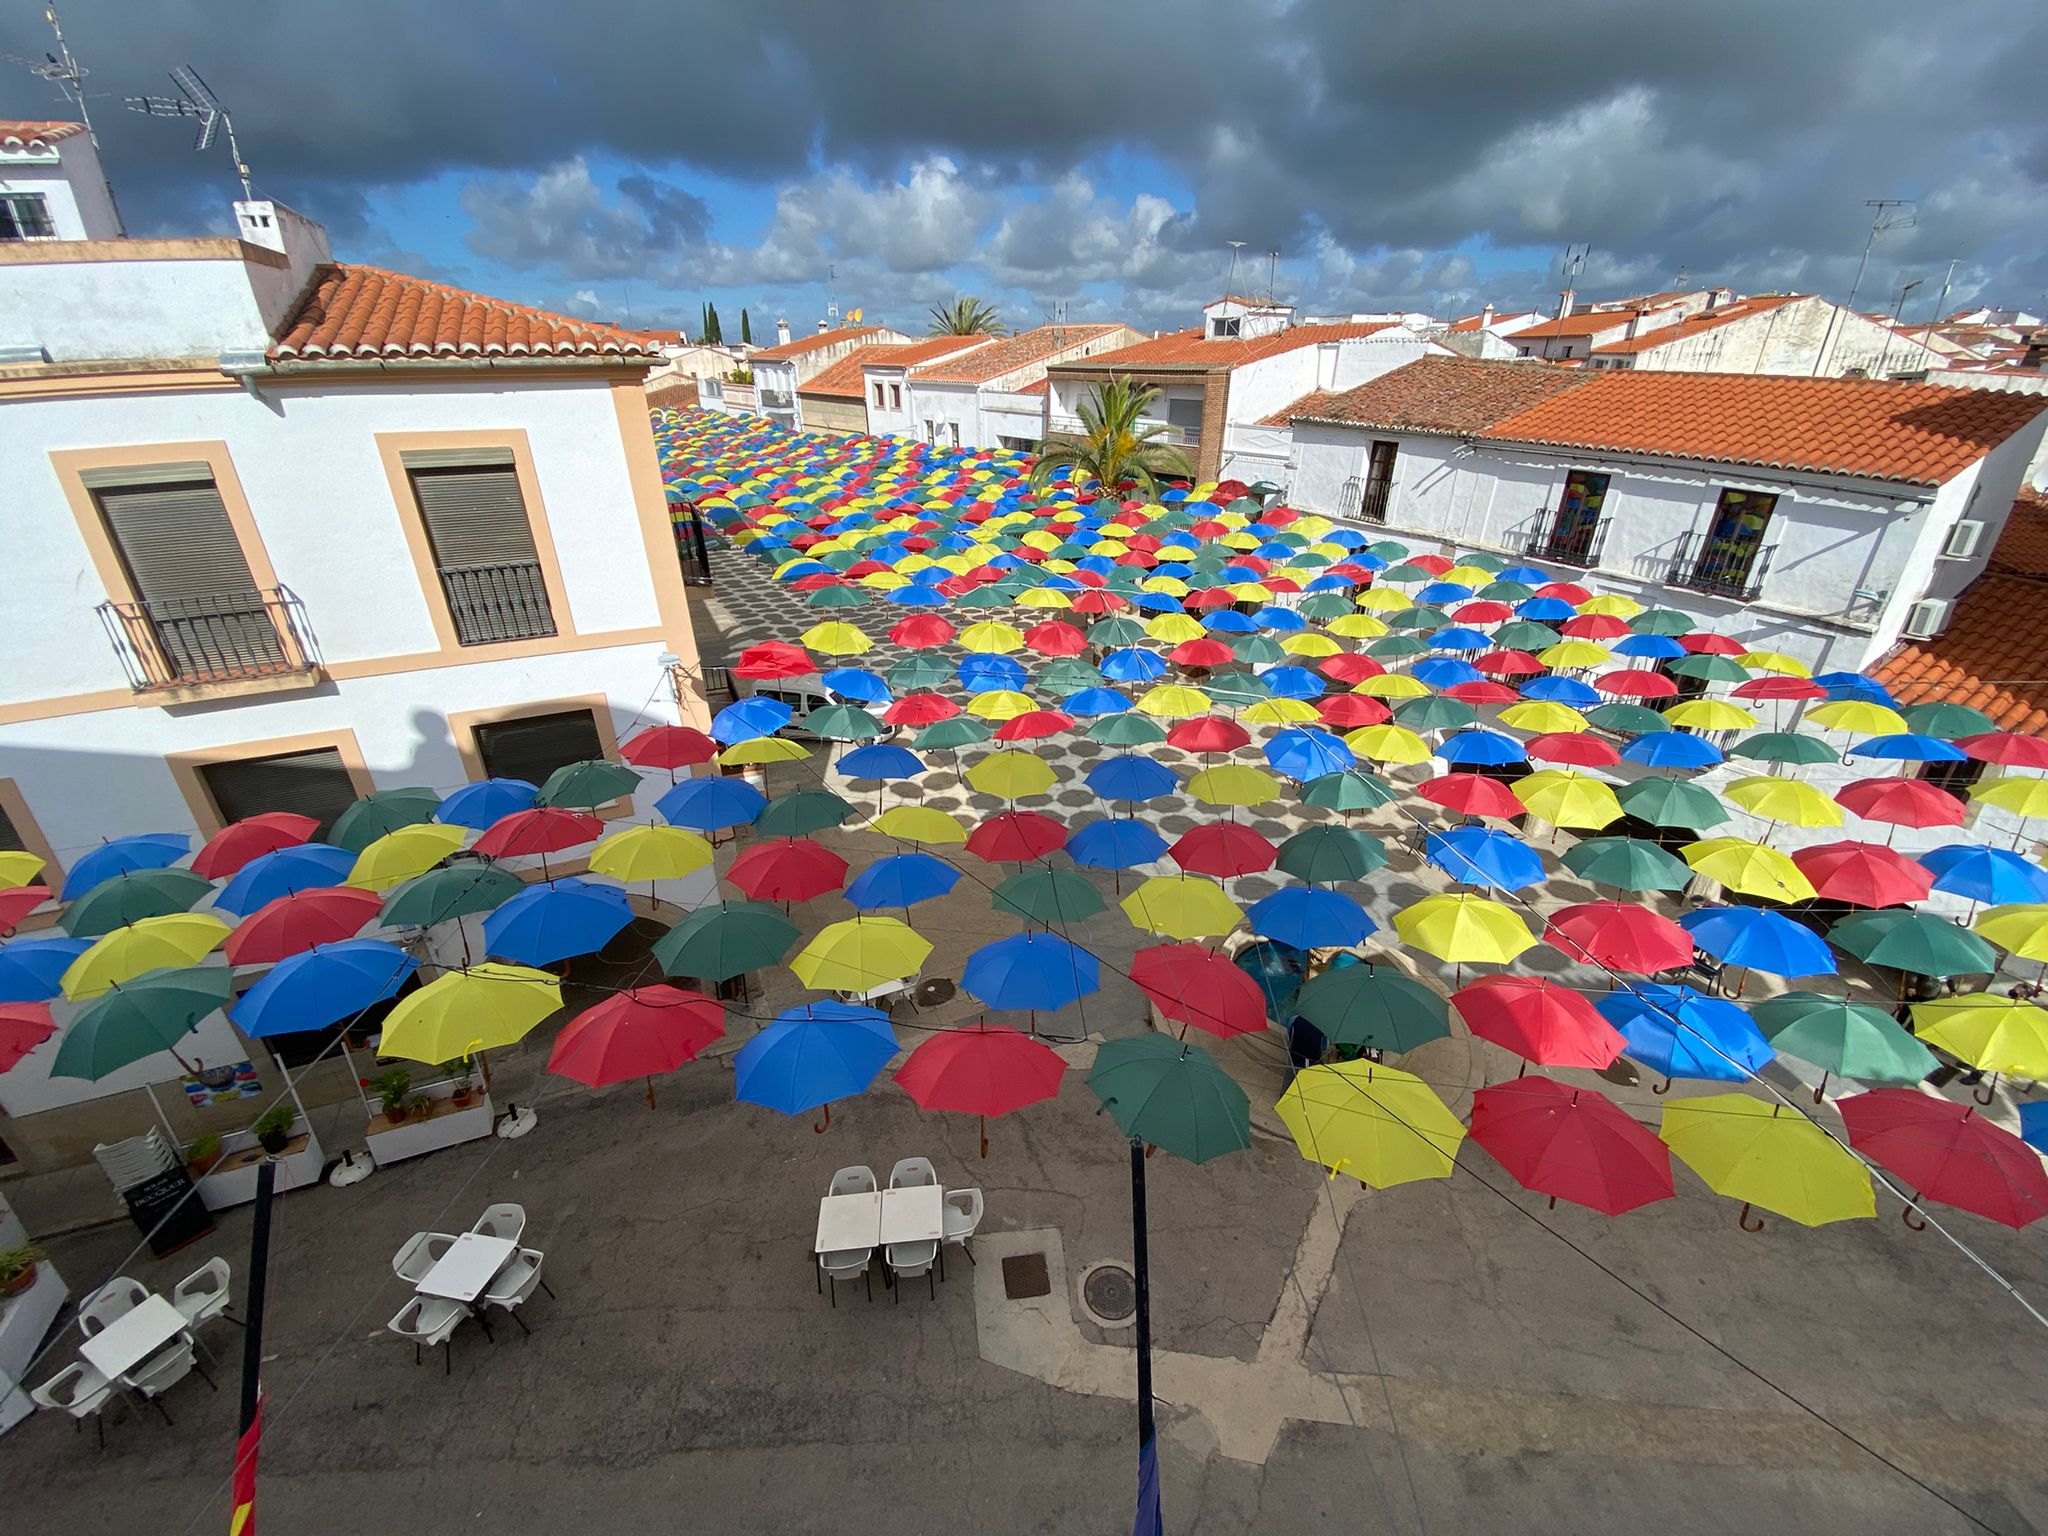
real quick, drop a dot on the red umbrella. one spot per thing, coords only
(1571, 1144)
(1565, 592)
(1902, 802)
(669, 746)
(773, 659)
(1350, 667)
(1034, 724)
(787, 869)
(1705, 643)
(17, 901)
(1776, 686)
(637, 1033)
(1099, 602)
(921, 709)
(1481, 691)
(1594, 626)
(2007, 748)
(1472, 794)
(293, 924)
(1508, 663)
(1209, 597)
(1581, 749)
(23, 1027)
(1948, 1152)
(1625, 935)
(1436, 565)
(1201, 652)
(544, 829)
(1349, 711)
(1202, 987)
(250, 838)
(981, 1069)
(1016, 837)
(921, 631)
(1222, 849)
(1208, 733)
(1484, 611)
(1054, 638)
(1863, 874)
(1536, 1018)
(1634, 682)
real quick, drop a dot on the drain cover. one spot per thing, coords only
(1110, 1291)
(1025, 1274)
(931, 993)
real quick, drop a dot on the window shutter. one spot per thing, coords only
(313, 784)
(533, 748)
(175, 537)
(10, 835)
(474, 514)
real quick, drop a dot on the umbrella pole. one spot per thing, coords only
(1148, 1498)
(650, 1092)
(169, 1130)
(984, 1134)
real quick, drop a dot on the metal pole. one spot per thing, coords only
(1142, 1276)
(259, 1268)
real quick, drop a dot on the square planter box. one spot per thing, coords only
(443, 1125)
(232, 1180)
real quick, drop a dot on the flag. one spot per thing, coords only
(243, 1522)
(1149, 1521)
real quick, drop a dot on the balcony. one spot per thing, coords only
(774, 399)
(1721, 568)
(219, 637)
(1576, 544)
(493, 603)
(1364, 500)
(1169, 434)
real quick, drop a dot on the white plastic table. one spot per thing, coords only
(913, 1215)
(886, 992)
(133, 1337)
(847, 1222)
(466, 1270)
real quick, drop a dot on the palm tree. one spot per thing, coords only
(1112, 445)
(967, 316)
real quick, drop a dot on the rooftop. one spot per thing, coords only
(1191, 350)
(844, 379)
(1473, 322)
(17, 134)
(1012, 353)
(1459, 395)
(1584, 322)
(1707, 320)
(812, 343)
(908, 354)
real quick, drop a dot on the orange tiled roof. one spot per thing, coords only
(803, 344)
(1706, 320)
(1191, 349)
(1012, 353)
(1460, 395)
(27, 133)
(1466, 323)
(843, 380)
(1036, 387)
(351, 312)
(908, 354)
(1584, 322)
(1922, 434)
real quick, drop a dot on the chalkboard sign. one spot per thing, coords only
(168, 1194)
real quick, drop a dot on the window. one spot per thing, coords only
(1220, 326)
(10, 837)
(315, 783)
(536, 746)
(1021, 444)
(25, 216)
(1184, 418)
(482, 543)
(878, 396)
(1728, 555)
(954, 428)
(895, 397)
(1379, 481)
(1575, 529)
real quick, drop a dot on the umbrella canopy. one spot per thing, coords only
(150, 944)
(1863, 874)
(401, 855)
(440, 895)
(1191, 984)
(139, 1018)
(1748, 868)
(1016, 837)
(787, 869)
(1759, 939)
(1172, 1094)
(804, 812)
(1538, 1020)
(1949, 1152)
(1566, 799)
(1471, 794)
(1373, 1006)
(1837, 1035)
(1684, 1033)
(658, 746)
(640, 1032)
(1571, 1144)
(556, 920)
(1310, 918)
(1322, 854)
(323, 986)
(1994, 1034)
(1234, 784)
(479, 805)
(650, 853)
(725, 940)
(380, 812)
(1049, 896)
(1182, 907)
(1222, 849)
(1903, 802)
(130, 897)
(901, 880)
(1128, 777)
(1483, 856)
(1986, 874)
(123, 855)
(918, 824)
(301, 867)
(292, 924)
(812, 1055)
(1373, 1122)
(2022, 931)
(981, 1069)
(253, 836)
(544, 829)
(859, 954)
(31, 970)
(1621, 935)
(1353, 790)
(462, 1012)
(23, 1027)
(587, 785)
(1920, 942)
(1464, 929)
(711, 803)
(1041, 972)
(1748, 1150)
(1673, 803)
(1628, 863)
(1794, 802)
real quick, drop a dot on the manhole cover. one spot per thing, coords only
(931, 993)
(1110, 1292)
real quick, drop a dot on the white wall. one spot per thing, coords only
(73, 187)
(1258, 389)
(950, 405)
(889, 419)
(1008, 414)
(83, 311)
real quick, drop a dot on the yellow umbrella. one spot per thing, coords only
(1991, 1033)
(1794, 802)
(1234, 784)
(1250, 591)
(1280, 712)
(885, 581)
(148, 944)
(1750, 1151)
(1173, 701)
(1172, 586)
(1568, 799)
(1612, 603)
(1182, 907)
(2021, 929)
(860, 953)
(1380, 1125)
(1748, 867)
(837, 638)
(1042, 597)
(991, 638)
(17, 868)
(650, 853)
(1383, 600)
(1000, 704)
(1306, 642)
(1388, 743)
(919, 824)
(1041, 538)
(1356, 626)
(1575, 653)
(1859, 717)
(1467, 575)
(1774, 661)
(2021, 794)
(398, 856)
(1173, 628)
(466, 1011)
(1392, 685)
(1710, 715)
(1011, 775)
(763, 749)
(1462, 928)
(1544, 717)
(1239, 541)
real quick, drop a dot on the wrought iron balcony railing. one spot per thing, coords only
(490, 603)
(215, 637)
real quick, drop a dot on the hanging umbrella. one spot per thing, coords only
(1039, 972)
(665, 746)
(1463, 929)
(811, 1055)
(1483, 856)
(556, 920)
(1234, 784)
(380, 812)
(2021, 931)
(1684, 1033)
(1759, 940)
(1902, 802)
(1862, 874)
(762, 749)
(139, 1018)
(292, 924)
(1991, 1033)
(1172, 1094)
(148, 944)
(485, 803)
(1353, 790)
(859, 954)
(130, 897)
(1472, 794)
(640, 1032)
(1324, 854)
(1115, 843)
(1949, 1152)
(1310, 918)
(323, 986)
(1672, 803)
(1748, 868)
(302, 867)
(1793, 802)
(1373, 1007)
(1571, 1144)
(1182, 907)
(1012, 775)
(587, 785)
(981, 1069)
(401, 855)
(1303, 753)
(1620, 935)
(650, 854)
(17, 901)
(1190, 984)
(2024, 797)
(18, 867)
(542, 830)
(918, 824)
(1840, 1036)
(2009, 748)
(1049, 896)
(711, 803)
(1222, 849)
(772, 660)
(439, 895)
(1986, 874)
(123, 855)
(1209, 733)
(476, 1009)
(31, 970)
(724, 940)
(787, 869)
(240, 841)
(1784, 747)
(23, 1027)
(1131, 778)
(1016, 837)
(1373, 1122)
(1748, 1150)
(901, 880)
(1538, 1020)
(1919, 942)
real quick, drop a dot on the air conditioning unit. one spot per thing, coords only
(1963, 540)
(1928, 618)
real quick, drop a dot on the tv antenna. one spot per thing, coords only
(1574, 263)
(61, 70)
(195, 99)
(1230, 282)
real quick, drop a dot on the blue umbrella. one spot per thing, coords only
(2034, 1125)
(1441, 672)
(1561, 690)
(1759, 939)
(1544, 610)
(1278, 969)
(555, 920)
(1129, 777)
(983, 674)
(120, 855)
(812, 1055)
(1133, 665)
(1309, 917)
(1986, 874)
(1157, 602)
(1683, 1033)
(880, 760)
(304, 867)
(1482, 749)
(1115, 843)
(1229, 621)
(1648, 647)
(477, 806)
(1907, 747)
(1527, 575)
(915, 596)
(1482, 856)
(711, 804)
(901, 880)
(1038, 972)
(751, 717)
(1438, 593)
(1292, 682)
(322, 986)
(1276, 618)
(858, 684)
(1855, 680)
(1460, 637)
(1303, 753)
(1672, 749)
(1095, 701)
(31, 970)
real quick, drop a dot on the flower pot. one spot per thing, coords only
(460, 1097)
(199, 1168)
(274, 1142)
(397, 1114)
(16, 1284)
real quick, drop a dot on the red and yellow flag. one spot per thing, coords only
(243, 1522)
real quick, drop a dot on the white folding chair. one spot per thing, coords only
(429, 1320)
(422, 1251)
(910, 1172)
(78, 1390)
(963, 1210)
(518, 1280)
(907, 1261)
(117, 1298)
(164, 1370)
(505, 1221)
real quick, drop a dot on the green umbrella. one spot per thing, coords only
(1946, 720)
(1627, 863)
(1837, 1035)
(1171, 1093)
(1784, 747)
(1406, 572)
(138, 1018)
(1331, 853)
(841, 559)
(382, 812)
(1321, 606)
(1110, 633)
(718, 942)
(1352, 790)
(1070, 674)
(1127, 730)
(802, 813)
(1525, 635)
(983, 597)
(1048, 896)
(461, 890)
(1421, 616)
(916, 673)
(1506, 592)
(1397, 646)
(582, 786)
(1234, 690)
(1919, 942)
(1435, 713)
(125, 898)
(951, 735)
(1710, 668)
(1672, 803)
(842, 722)
(1668, 622)
(1628, 719)
(836, 597)
(1257, 650)
(1366, 1005)
(1487, 563)
(1388, 549)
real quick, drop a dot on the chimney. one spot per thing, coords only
(824, 326)
(1486, 317)
(1564, 304)
(782, 333)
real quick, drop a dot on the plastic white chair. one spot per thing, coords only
(963, 1210)
(857, 1180)
(422, 1251)
(518, 1280)
(910, 1172)
(429, 1320)
(164, 1370)
(845, 1264)
(203, 1294)
(117, 1298)
(505, 1221)
(78, 1390)
(909, 1260)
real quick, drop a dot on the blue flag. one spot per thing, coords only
(1148, 1522)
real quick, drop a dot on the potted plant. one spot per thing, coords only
(202, 1154)
(18, 1268)
(273, 1129)
(458, 1072)
(393, 1090)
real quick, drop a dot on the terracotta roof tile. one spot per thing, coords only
(28, 133)
(1437, 394)
(803, 344)
(353, 312)
(1316, 404)
(1585, 322)
(844, 380)
(1707, 320)
(1191, 348)
(908, 354)
(1012, 353)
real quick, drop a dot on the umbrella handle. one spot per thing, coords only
(1916, 1222)
(1742, 1220)
(1665, 1087)
(1988, 1092)
(650, 1092)
(819, 1127)
(984, 1134)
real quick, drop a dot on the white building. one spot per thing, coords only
(992, 396)
(1712, 331)
(886, 393)
(781, 370)
(51, 185)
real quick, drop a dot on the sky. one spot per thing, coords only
(1076, 159)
